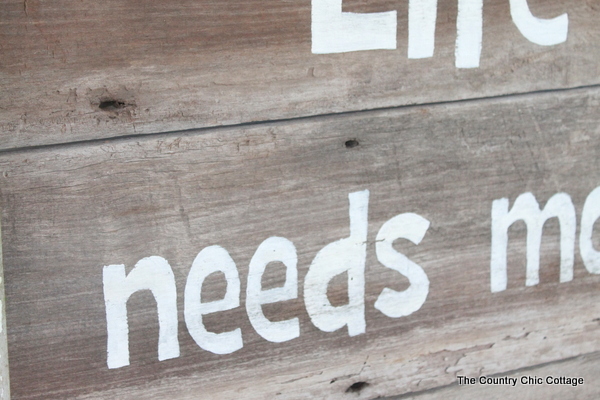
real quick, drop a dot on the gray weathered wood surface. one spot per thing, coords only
(4, 372)
(69, 210)
(159, 66)
(586, 366)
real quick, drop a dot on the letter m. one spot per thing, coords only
(527, 209)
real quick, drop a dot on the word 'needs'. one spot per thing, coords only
(347, 255)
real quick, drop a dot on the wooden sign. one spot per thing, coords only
(81, 70)
(299, 200)
(4, 374)
(364, 253)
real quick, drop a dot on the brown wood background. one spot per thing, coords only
(4, 373)
(263, 154)
(186, 64)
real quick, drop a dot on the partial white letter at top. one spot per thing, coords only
(334, 31)
(422, 15)
(469, 33)
(545, 32)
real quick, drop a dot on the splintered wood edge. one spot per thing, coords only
(4, 378)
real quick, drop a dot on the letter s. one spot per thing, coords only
(390, 302)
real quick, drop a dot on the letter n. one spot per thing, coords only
(150, 273)
(527, 209)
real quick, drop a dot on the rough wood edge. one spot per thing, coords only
(4, 377)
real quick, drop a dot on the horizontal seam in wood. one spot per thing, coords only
(289, 120)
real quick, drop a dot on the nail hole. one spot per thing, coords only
(111, 105)
(351, 143)
(356, 387)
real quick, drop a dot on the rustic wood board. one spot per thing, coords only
(587, 366)
(4, 373)
(68, 211)
(74, 70)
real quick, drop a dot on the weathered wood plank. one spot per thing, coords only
(587, 366)
(4, 373)
(68, 211)
(77, 70)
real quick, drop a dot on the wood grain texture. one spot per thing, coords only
(68, 211)
(4, 371)
(157, 66)
(586, 366)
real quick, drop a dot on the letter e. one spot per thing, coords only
(272, 249)
(591, 212)
(209, 260)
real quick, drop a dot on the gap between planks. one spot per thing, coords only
(167, 134)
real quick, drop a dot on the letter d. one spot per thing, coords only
(345, 255)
